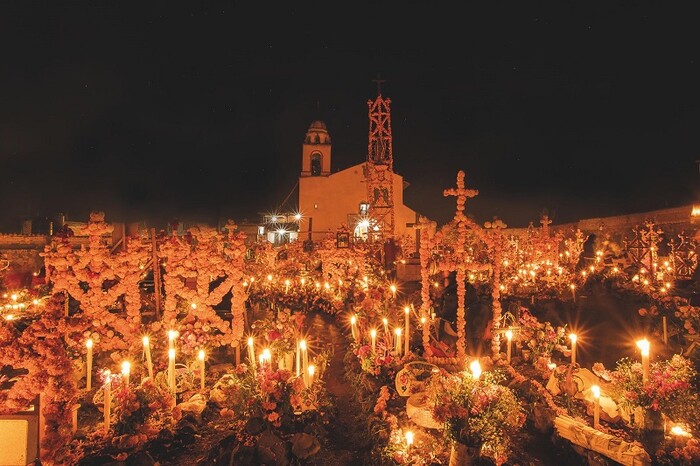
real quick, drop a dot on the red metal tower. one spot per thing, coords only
(379, 172)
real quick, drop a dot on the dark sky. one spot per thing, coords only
(197, 110)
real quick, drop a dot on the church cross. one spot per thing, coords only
(379, 82)
(461, 193)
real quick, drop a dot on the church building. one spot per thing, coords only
(367, 197)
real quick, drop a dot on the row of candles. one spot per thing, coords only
(401, 345)
(301, 361)
(126, 371)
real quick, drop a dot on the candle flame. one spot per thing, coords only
(250, 341)
(475, 367)
(145, 341)
(509, 334)
(643, 345)
(596, 391)
(573, 338)
(373, 333)
(409, 438)
(89, 343)
(312, 370)
(302, 345)
(126, 368)
(201, 355)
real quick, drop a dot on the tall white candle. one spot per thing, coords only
(200, 356)
(88, 368)
(304, 356)
(397, 346)
(171, 370)
(407, 326)
(509, 341)
(373, 337)
(573, 291)
(172, 334)
(107, 401)
(644, 347)
(298, 360)
(149, 361)
(311, 371)
(573, 338)
(353, 323)
(251, 352)
(596, 406)
(126, 372)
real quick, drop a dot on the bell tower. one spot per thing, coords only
(316, 151)
(379, 172)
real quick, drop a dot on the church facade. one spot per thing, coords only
(328, 200)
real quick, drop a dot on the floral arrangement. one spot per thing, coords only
(476, 412)
(541, 338)
(669, 388)
(140, 410)
(280, 329)
(373, 362)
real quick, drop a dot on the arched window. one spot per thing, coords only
(316, 165)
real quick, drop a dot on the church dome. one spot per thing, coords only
(317, 133)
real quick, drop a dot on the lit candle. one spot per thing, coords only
(387, 335)
(304, 356)
(373, 336)
(393, 290)
(573, 338)
(126, 372)
(475, 367)
(149, 361)
(407, 325)
(266, 357)
(171, 370)
(644, 347)
(573, 291)
(201, 355)
(353, 323)
(286, 286)
(397, 331)
(596, 406)
(251, 352)
(172, 334)
(88, 369)
(509, 340)
(107, 401)
(311, 371)
(409, 440)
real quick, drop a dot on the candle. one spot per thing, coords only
(409, 440)
(373, 337)
(265, 357)
(509, 340)
(311, 371)
(397, 346)
(573, 338)
(149, 361)
(126, 371)
(387, 335)
(201, 355)
(393, 290)
(644, 347)
(108, 400)
(171, 370)
(298, 360)
(172, 334)
(573, 291)
(286, 286)
(407, 325)
(251, 352)
(596, 406)
(353, 322)
(304, 356)
(88, 368)
(665, 330)
(475, 367)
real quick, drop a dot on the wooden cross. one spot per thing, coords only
(545, 221)
(461, 193)
(379, 82)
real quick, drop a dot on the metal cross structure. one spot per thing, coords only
(643, 248)
(379, 173)
(684, 257)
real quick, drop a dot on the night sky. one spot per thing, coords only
(197, 110)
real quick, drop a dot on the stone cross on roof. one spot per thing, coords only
(461, 193)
